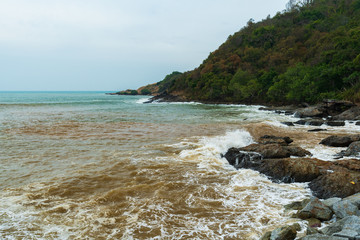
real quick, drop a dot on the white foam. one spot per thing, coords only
(143, 100)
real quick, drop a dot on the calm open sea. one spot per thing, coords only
(85, 165)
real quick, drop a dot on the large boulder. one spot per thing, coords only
(350, 223)
(354, 199)
(316, 209)
(350, 114)
(313, 111)
(353, 150)
(340, 141)
(336, 182)
(284, 233)
(276, 150)
(241, 159)
(270, 139)
(345, 208)
(322, 237)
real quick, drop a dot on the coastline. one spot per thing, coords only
(335, 185)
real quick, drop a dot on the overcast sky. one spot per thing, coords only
(110, 45)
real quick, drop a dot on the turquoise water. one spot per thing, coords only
(85, 165)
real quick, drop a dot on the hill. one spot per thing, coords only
(308, 52)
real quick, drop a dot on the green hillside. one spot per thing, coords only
(309, 52)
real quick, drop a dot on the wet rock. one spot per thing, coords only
(298, 205)
(310, 231)
(290, 124)
(301, 122)
(338, 182)
(350, 223)
(357, 123)
(330, 201)
(322, 237)
(316, 209)
(352, 150)
(354, 199)
(315, 123)
(313, 222)
(266, 236)
(335, 123)
(350, 114)
(241, 159)
(314, 111)
(346, 233)
(284, 233)
(340, 141)
(270, 139)
(317, 130)
(344, 209)
(276, 150)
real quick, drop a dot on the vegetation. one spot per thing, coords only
(309, 52)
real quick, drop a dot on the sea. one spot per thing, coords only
(86, 165)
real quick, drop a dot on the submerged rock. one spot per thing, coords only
(335, 123)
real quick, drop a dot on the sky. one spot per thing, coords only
(111, 45)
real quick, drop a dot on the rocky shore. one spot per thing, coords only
(335, 184)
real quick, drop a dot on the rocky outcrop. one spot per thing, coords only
(340, 141)
(270, 139)
(327, 179)
(350, 114)
(316, 209)
(352, 151)
(276, 150)
(282, 233)
(325, 109)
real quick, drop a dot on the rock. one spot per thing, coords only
(284, 233)
(241, 159)
(335, 123)
(298, 205)
(310, 231)
(290, 124)
(357, 123)
(316, 209)
(330, 201)
(350, 114)
(276, 150)
(313, 222)
(266, 236)
(340, 141)
(354, 199)
(322, 237)
(314, 111)
(335, 107)
(352, 150)
(317, 130)
(301, 122)
(269, 139)
(346, 233)
(351, 223)
(315, 123)
(336, 183)
(344, 209)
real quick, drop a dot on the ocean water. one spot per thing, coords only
(85, 165)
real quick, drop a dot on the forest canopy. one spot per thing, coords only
(306, 53)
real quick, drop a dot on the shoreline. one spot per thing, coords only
(336, 182)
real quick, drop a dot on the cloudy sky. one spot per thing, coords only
(109, 45)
